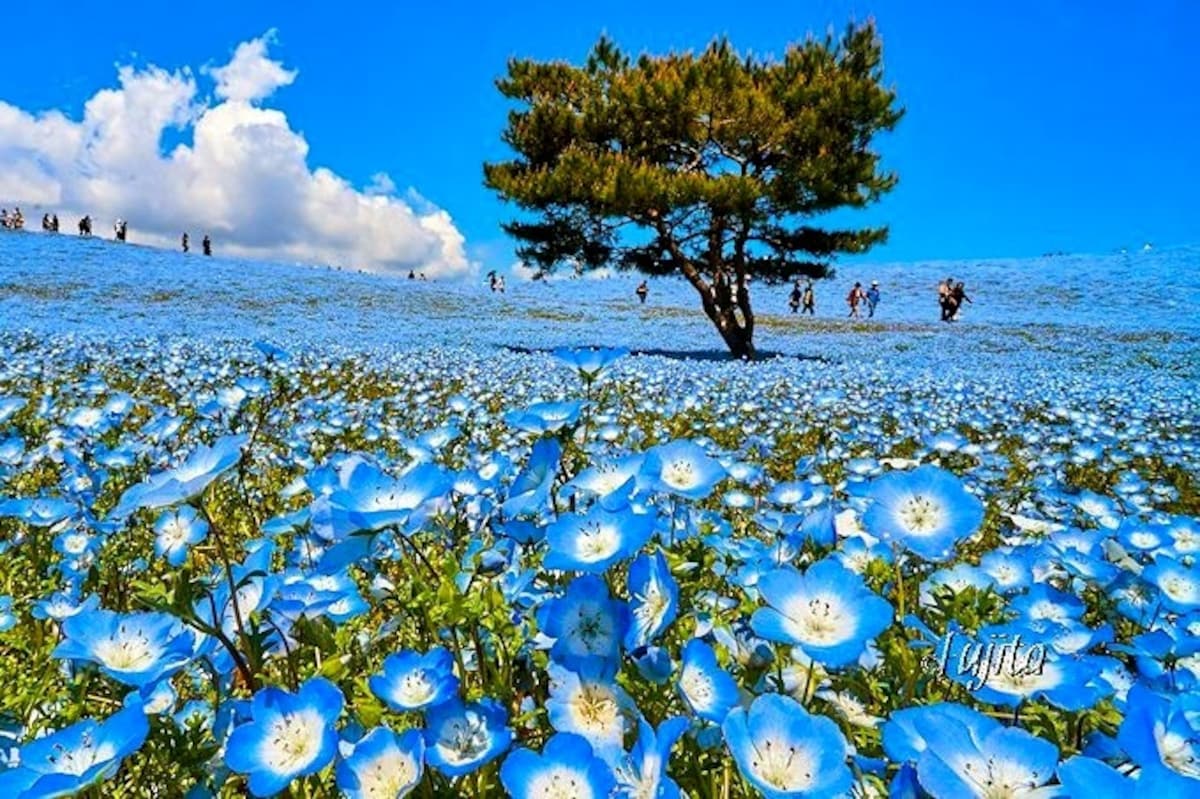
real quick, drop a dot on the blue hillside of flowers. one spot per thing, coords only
(289, 531)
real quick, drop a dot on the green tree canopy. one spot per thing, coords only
(712, 166)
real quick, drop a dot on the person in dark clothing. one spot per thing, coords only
(120, 229)
(184, 241)
(54, 223)
(959, 295)
(85, 226)
(794, 298)
(45, 223)
(808, 300)
(412, 275)
(642, 291)
(206, 245)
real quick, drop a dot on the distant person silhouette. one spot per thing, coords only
(794, 297)
(642, 291)
(184, 242)
(85, 226)
(872, 298)
(809, 300)
(853, 299)
(206, 245)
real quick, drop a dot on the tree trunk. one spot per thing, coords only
(733, 319)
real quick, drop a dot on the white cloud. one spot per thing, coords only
(251, 76)
(244, 179)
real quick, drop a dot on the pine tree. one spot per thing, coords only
(710, 166)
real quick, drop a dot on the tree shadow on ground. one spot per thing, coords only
(719, 356)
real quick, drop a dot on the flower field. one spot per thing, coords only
(423, 540)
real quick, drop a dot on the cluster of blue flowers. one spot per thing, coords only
(585, 574)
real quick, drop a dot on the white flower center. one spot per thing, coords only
(416, 688)
(463, 740)
(590, 631)
(820, 620)
(174, 533)
(1001, 779)
(787, 768)
(1180, 589)
(386, 775)
(293, 742)
(595, 542)
(920, 515)
(679, 475)
(1143, 539)
(76, 543)
(697, 687)
(596, 710)
(127, 650)
(560, 782)
(78, 761)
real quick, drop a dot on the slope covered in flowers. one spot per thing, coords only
(369, 537)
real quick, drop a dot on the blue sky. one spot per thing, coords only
(1031, 126)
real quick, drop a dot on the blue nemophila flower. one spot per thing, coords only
(590, 362)
(588, 701)
(66, 762)
(643, 774)
(383, 765)
(185, 481)
(566, 767)
(706, 688)
(903, 741)
(11, 450)
(1162, 735)
(412, 681)
(927, 511)
(681, 468)
(786, 752)
(593, 541)
(545, 417)
(176, 531)
(584, 622)
(608, 478)
(133, 648)
(654, 599)
(372, 499)
(288, 735)
(828, 611)
(460, 738)
(8, 619)
(529, 493)
(38, 511)
(1006, 762)
(1086, 777)
(1178, 583)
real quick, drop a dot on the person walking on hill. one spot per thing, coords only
(794, 298)
(872, 299)
(958, 295)
(945, 291)
(808, 300)
(206, 245)
(120, 228)
(853, 299)
(85, 226)
(54, 223)
(184, 241)
(642, 291)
